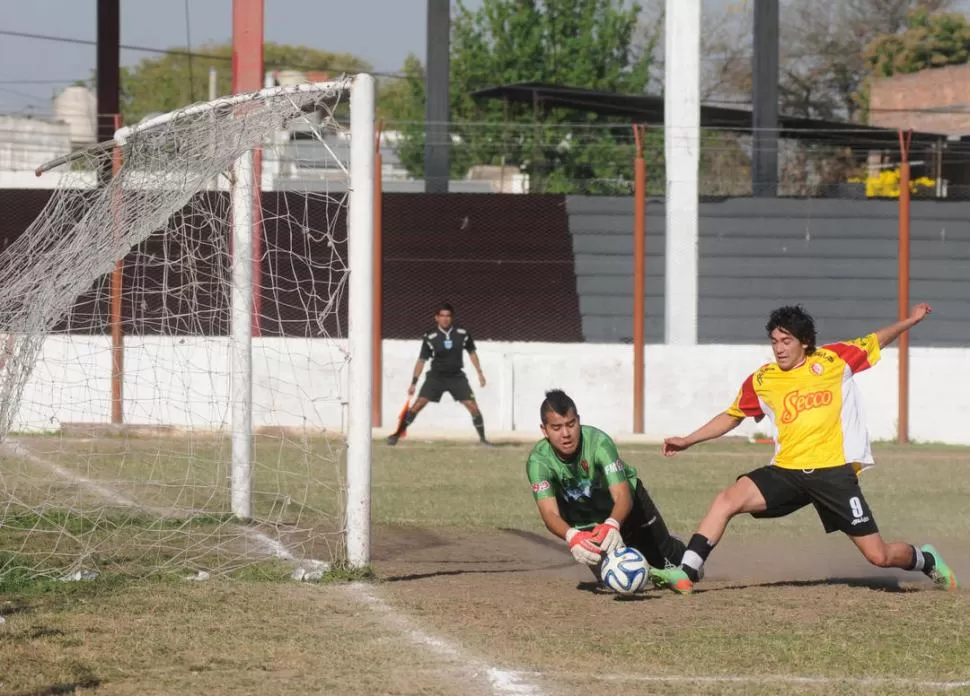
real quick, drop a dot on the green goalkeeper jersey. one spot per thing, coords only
(581, 485)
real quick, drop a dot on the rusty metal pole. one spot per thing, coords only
(378, 366)
(248, 19)
(639, 277)
(903, 308)
(117, 286)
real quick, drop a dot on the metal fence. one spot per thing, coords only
(536, 241)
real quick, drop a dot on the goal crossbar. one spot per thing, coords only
(337, 87)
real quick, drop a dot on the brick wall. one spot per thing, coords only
(896, 102)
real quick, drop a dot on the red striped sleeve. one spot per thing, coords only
(855, 357)
(748, 402)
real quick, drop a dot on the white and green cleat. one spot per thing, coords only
(942, 575)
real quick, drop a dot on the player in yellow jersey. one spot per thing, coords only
(821, 444)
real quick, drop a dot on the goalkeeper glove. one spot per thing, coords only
(582, 546)
(607, 535)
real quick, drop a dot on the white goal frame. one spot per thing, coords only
(360, 262)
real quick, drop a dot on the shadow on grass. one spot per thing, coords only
(538, 539)
(596, 588)
(13, 606)
(33, 633)
(63, 688)
(878, 583)
(471, 571)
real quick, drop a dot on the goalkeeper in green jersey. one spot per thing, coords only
(590, 497)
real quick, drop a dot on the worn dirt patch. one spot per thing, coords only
(809, 608)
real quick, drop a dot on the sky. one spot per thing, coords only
(381, 32)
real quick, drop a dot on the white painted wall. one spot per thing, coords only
(26, 143)
(184, 382)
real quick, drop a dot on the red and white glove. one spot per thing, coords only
(607, 535)
(583, 547)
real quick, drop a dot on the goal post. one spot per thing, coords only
(360, 241)
(180, 212)
(241, 332)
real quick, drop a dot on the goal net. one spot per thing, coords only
(185, 355)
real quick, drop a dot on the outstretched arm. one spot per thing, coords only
(622, 502)
(418, 369)
(581, 544)
(478, 367)
(719, 425)
(888, 334)
(549, 512)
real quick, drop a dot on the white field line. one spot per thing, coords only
(107, 494)
(271, 547)
(764, 679)
(517, 682)
(501, 682)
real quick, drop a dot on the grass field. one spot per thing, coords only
(471, 595)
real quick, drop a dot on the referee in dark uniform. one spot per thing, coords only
(444, 346)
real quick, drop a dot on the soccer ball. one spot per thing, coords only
(624, 570)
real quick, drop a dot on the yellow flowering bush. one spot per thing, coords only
(885, 184)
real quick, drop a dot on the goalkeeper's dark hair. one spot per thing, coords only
(795, 320)
(445, 307)
(556, 401)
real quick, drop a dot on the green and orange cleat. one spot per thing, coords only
(674, 579)
(941, 575)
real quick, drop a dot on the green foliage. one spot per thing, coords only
(580, 43)
(174, 80)
(929, 41)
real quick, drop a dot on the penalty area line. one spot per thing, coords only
(764, 679)
(501, 682)
(269, 546)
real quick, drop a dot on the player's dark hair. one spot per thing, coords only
(795, 320)
(445, 307)
(556, 401)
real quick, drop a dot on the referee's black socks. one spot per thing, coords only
(406, 422)
(479, 423)
(698, 549)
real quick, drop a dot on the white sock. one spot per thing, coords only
(693, 560)
(920, 559)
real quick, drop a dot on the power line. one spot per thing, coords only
(43, 82)
(183, 53)
(92, 42)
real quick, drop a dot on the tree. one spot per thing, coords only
(587, 43)
(725, 49)
(176, 79)
(825, 66)
(823, 52)
(929, 41)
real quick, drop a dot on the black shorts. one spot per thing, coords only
(834, 491)
(645, 530)
(456, 385)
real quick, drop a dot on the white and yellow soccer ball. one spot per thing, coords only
(624, 570)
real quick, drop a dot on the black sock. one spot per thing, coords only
(479, 423)
(921, 560)
(408, 419)
(698, 549)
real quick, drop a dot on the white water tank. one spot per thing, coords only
(285, 78)
(77, 106)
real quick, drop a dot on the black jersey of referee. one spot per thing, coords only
(444, 349)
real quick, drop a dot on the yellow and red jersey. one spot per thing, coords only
(816, 407)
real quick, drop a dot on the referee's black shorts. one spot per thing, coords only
(456, 385)
(833, 491)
